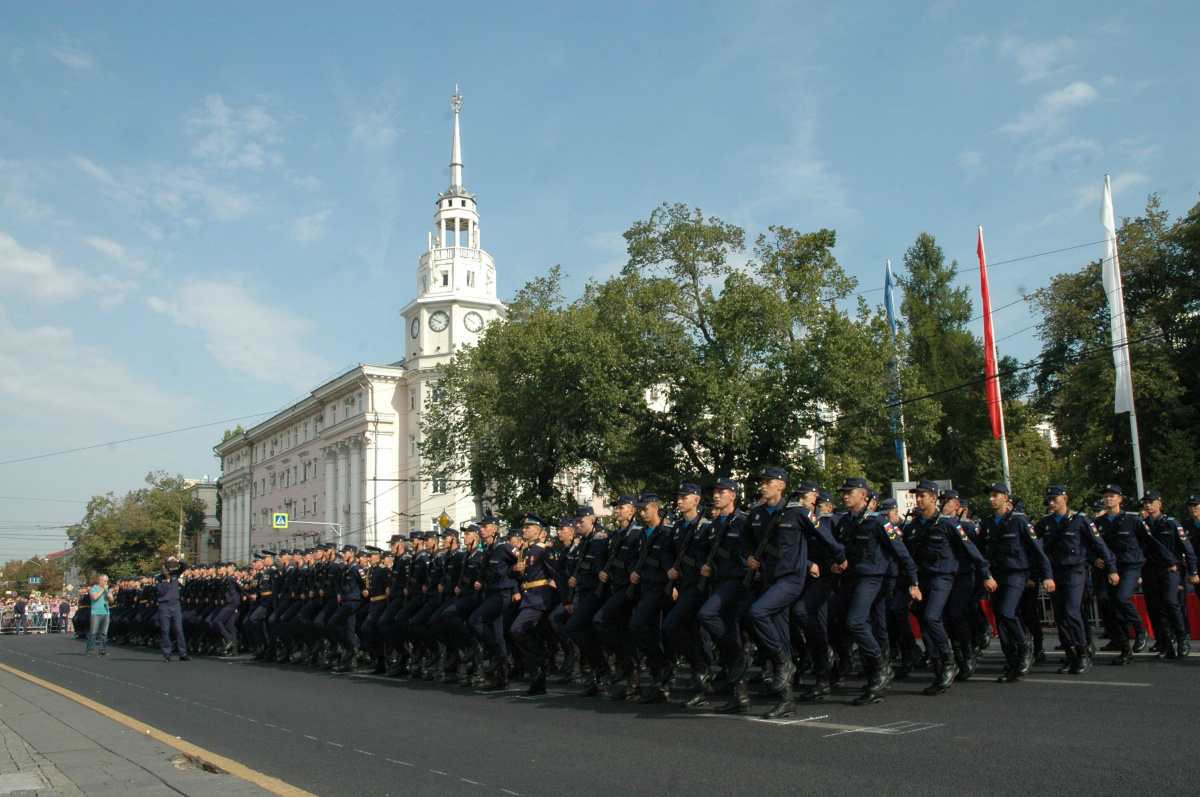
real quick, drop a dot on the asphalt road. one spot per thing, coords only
(1126, 730)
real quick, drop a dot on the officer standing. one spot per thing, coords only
(1015, 555)
(170, 618)
(1071, 541)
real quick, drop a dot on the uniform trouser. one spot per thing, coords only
(170, 618)
(812, 612)
(402, 629)
(580, 629)
(858, 594)
(419, 626)
(720, 616)
(1123, 613)
(879, 618)
(612, 624)
(977, 619)
(1067, 600)
(387, 621)
(1005, 600)
(487, 622)
(899, 610)
(645, 622)
(369, 630)
(454, 620)
(438, 628)
(275, 626)
(288, 621)
(527, 635)
(302, 622)
(1162, 591)
(341, 624)
(256, 622)
(682, 627)
(958, 605)
(770, 612)
(558, 625)
(1031, 618)
(224, 621)
(320, 622)
(935, 593)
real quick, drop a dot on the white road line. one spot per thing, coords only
(1081, 683)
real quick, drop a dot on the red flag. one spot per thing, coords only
(989, 346)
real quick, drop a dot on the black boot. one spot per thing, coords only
(1183, 647)
(1010, 664)
(499, 677)
(879, 676)
(537, 686)
(1139, 642)
(966, 665)
(738, 702)
(701, 697)
(786, 706)
(784, 670)
(570, 667)
(1070, 662)
(1083, 661)
(659, 689)
(908, 662)
(841, 666)
(1125, 656)
(821, 666)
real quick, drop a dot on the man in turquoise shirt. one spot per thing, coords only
(101, 596)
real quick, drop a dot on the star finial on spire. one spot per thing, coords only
(456, 100)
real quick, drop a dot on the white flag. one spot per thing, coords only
(1111, 269)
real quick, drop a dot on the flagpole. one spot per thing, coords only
(990, 338)
(901, 444)
(1123, 367)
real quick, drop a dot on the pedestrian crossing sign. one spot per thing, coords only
(280, 520)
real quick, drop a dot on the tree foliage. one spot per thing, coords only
(16, 574)
(129, 536)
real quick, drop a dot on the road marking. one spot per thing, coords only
(273, 785)
(401, 763)
(890, 729)
(1081, 683)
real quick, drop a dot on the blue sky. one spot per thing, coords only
(206, 209)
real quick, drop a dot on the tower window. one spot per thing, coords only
(470, 279)
(445, 279)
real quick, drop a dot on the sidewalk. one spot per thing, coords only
(51, 746)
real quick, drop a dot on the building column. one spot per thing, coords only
(355, 494)
(330, 486)
(370, 489)
(226, 519)
(343, 473)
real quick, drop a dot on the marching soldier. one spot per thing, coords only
(723, 576)
(375, 594)
(583, 600)
(1126, 536)
(1164, 590)
(536, 575)
(612, 620)
(341, 623)
(566, 560)
(682, 627)
(498, 589)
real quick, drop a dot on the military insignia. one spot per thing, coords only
(891, 531)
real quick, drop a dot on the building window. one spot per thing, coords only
(304, 507)
(314, 505)
(438, 485)
(306, 431)
(412, 489)
(412, 445)
(412, 398)
(445, 279)
(295, 473)
(470, 279)
(412, 526)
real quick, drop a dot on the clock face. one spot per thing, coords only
(473, 321)
(439, 321)
(415, 327)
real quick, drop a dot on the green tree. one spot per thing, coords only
(16, 574)
(129, 536)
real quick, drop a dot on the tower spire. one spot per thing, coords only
(456, 164)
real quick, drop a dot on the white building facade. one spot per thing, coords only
(344, 463)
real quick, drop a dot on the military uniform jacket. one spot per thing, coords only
(786, 553)
(167, 589)
(939, 543)
(452, 571)
(594, 552)
(496, 573)
(232, 591)
(399, 577)
(354, 581)
(377, 583)
(965, 564)
(1124, 534)
(1072, 541)
(1176, 549)
(822, 556)
(871, 543)
(418, 572)
(332, 584)
(539, 577)
(693, 539)
(658, 550)
(624, 556)
(729, 563)
(437, 567)
(1011, 546)
(470, 574)
(565, 562)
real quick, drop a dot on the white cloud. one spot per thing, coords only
(309, 228)
(233, 138)
(970, 159)
(45, 372)
(115, 252)
(1122, 185)
(1051, 109)
(74, 56)
(1067, 149)
(36, 275)
(176, 191)
(27, 209)
(1038, 60)
(247, 337)
(802, 173)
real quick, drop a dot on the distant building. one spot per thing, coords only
(344, 463)
(208, 542)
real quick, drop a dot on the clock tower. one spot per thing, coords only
(456, 278)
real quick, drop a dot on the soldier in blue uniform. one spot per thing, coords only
(1126, 536)
(723, 576)
(536, 576)
(498, 588)
(612, 619)
(871, 543)
(452, 620)
(958, 606)
(681, 627)
(349, 596)
(939, 543)
(1071, 543)
(415, 593)
(255, 623)
(582, 599)
(375, 594)
(397, 580)
(170, 616)
(1016, 557)
(816, 611)
(566, 558)
(420, 628)
(285, 583)
(1164, 590)
(648, 586)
